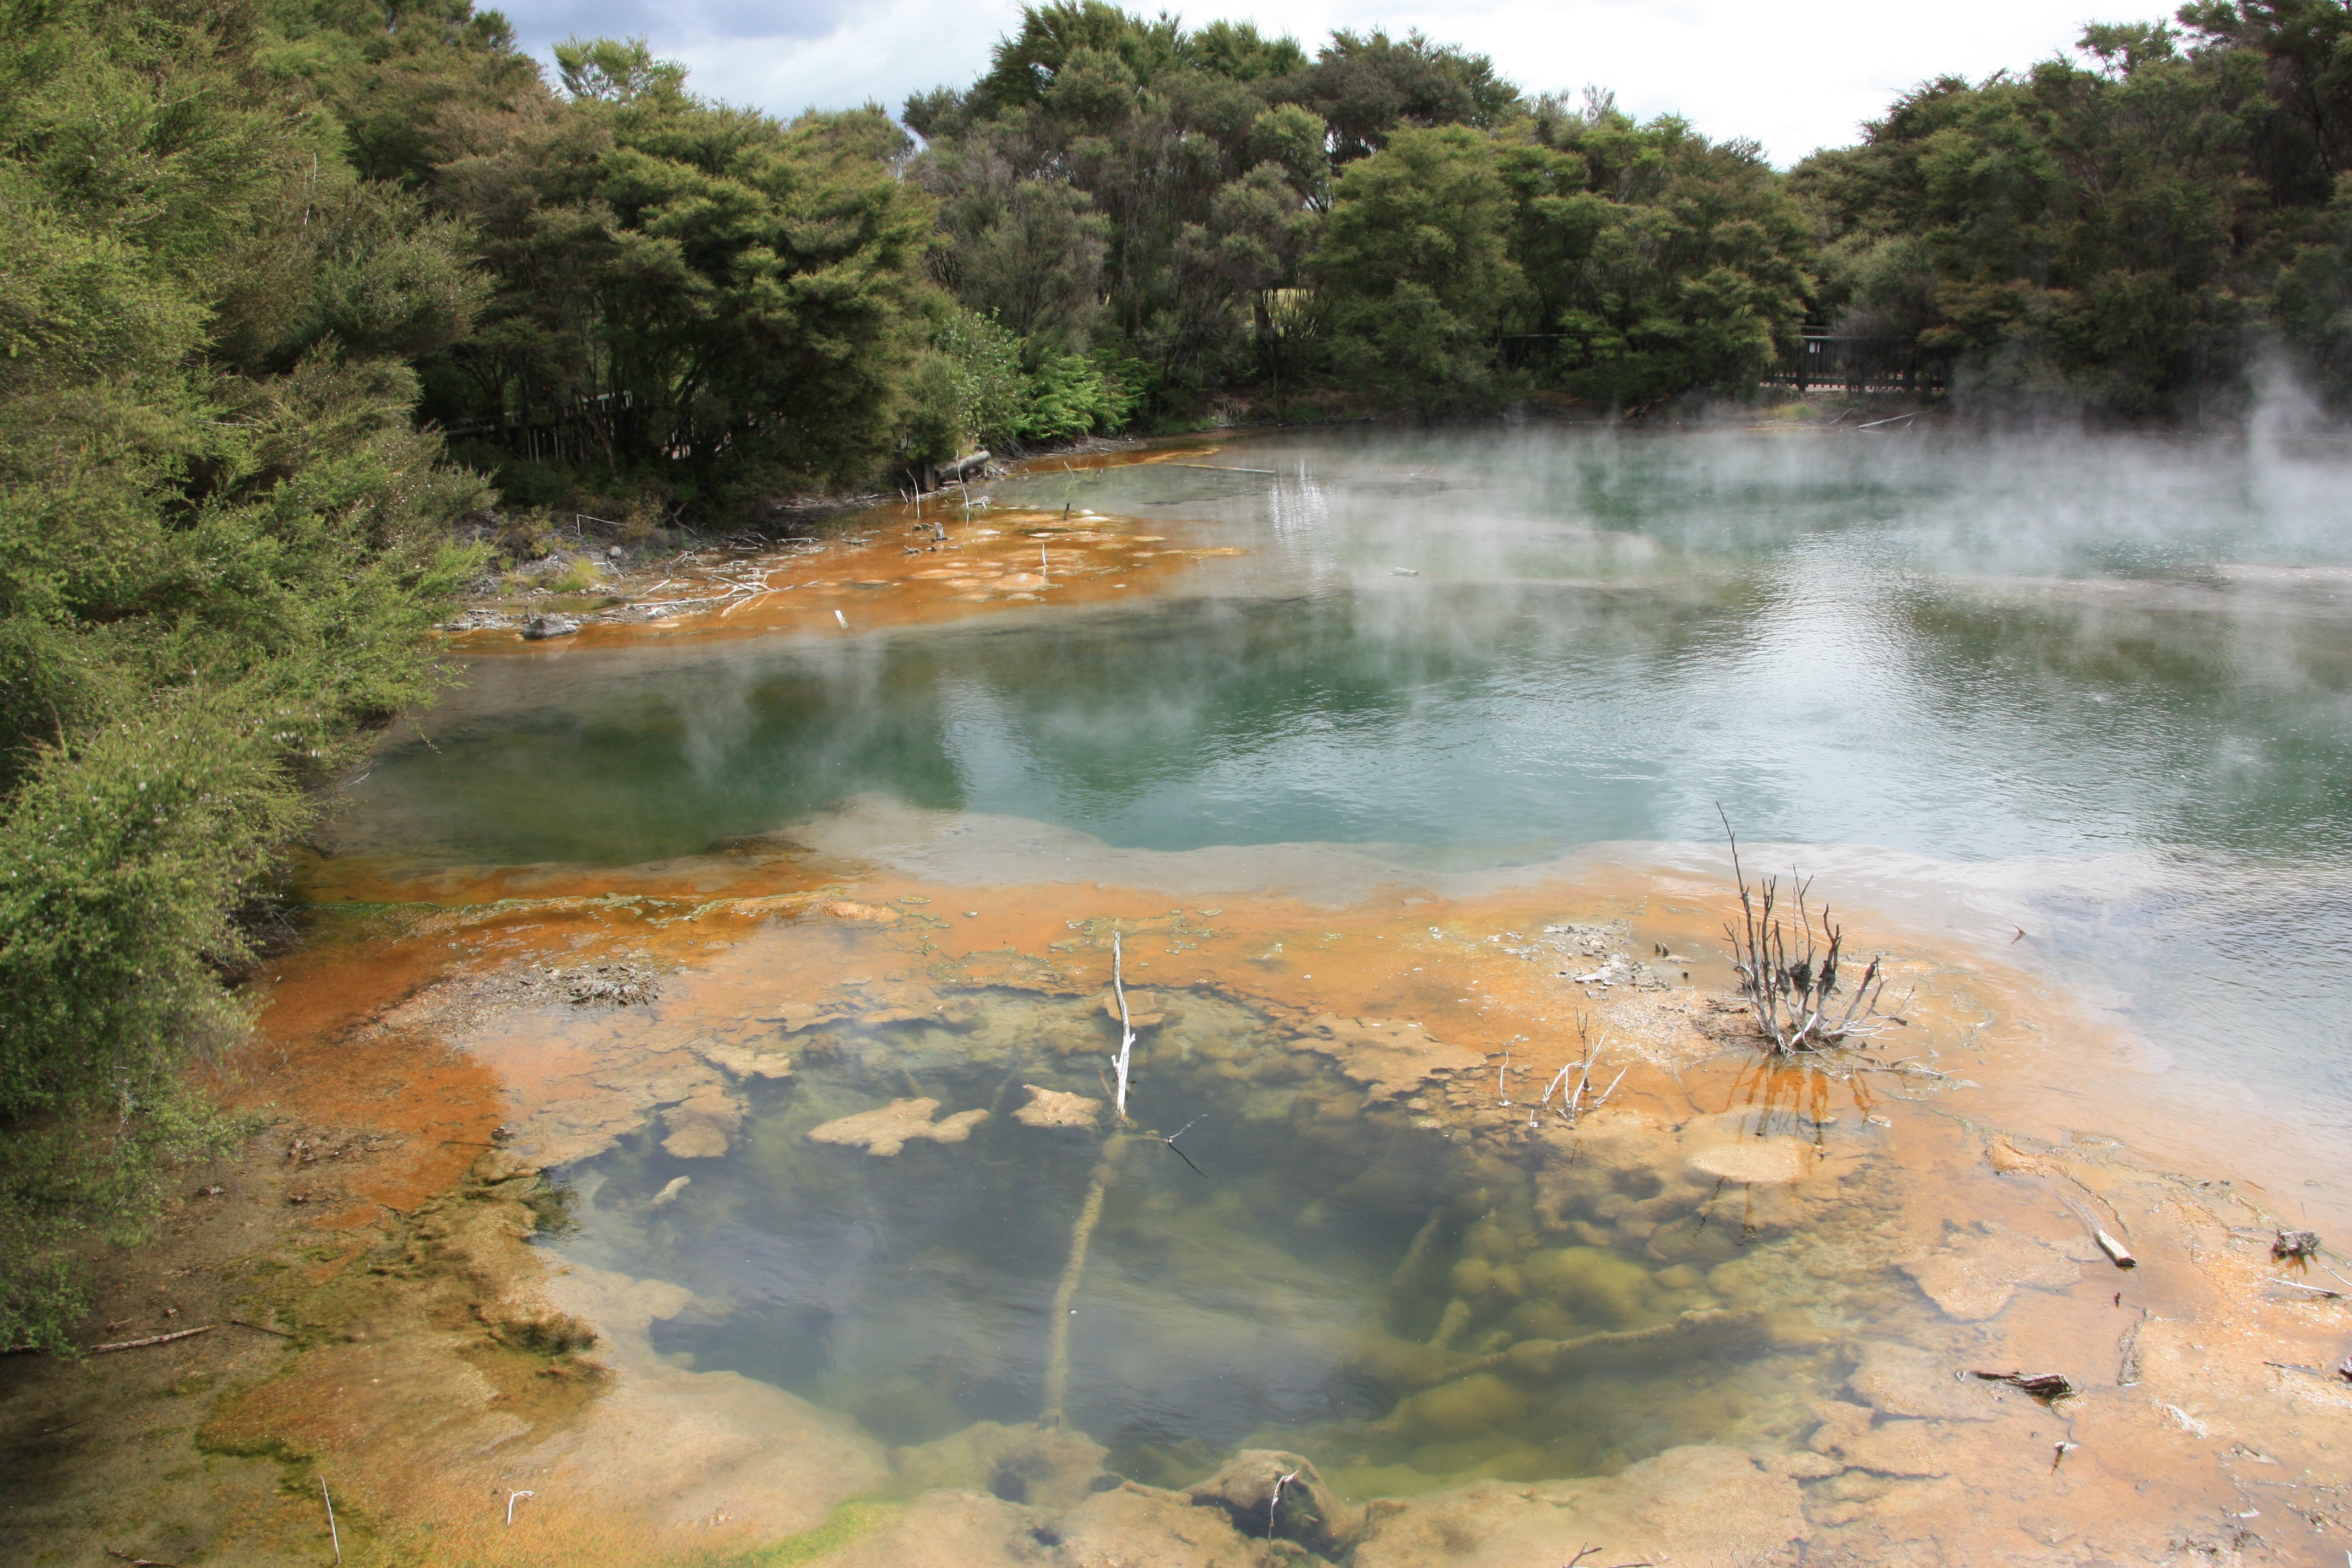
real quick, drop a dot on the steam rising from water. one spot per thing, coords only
(2100, 687)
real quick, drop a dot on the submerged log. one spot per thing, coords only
(1615, 1347)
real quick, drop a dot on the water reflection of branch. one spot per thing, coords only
(1170, 1142)
(1057, 1356)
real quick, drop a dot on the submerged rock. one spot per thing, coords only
(1759, 1161)
(1463, 1408)
(1903, 1380)
(1895, 1446)
(1134, 1525)
(1271, 1494)
(1028, 1464)
(1699, 1503)
(1391, 1058)
(701, 1127)
(1053, 1108)
(744, 1059)
(1972, 1276)
(541, 1330)
(891, 1128)
(1143, 1009)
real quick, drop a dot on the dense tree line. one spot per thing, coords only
(2126, 233)
(290, 288)
(1212, 213)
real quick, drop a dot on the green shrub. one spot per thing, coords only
(222, 542)
(1072, 395)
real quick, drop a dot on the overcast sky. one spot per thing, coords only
(1795, 75)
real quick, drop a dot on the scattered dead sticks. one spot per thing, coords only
(1789, 969)
(1571, 1097)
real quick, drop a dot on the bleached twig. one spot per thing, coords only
(1126, 1027)
(1571, 1104)
(1274, 1503)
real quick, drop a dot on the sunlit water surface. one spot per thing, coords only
(2112, 678)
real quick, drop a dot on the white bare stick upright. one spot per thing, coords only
(1125, 1028)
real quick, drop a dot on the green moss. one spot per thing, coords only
(1470, 1406)
(848, 1523)
(1597, 1287)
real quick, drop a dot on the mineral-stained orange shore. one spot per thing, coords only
(901, 565)
(353, 1038)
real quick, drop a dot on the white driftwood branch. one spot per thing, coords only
(1125, 1028)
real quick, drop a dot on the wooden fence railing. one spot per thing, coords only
(1823, 361)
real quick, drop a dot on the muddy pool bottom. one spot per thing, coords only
(928, 1222)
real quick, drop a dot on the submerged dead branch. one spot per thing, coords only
(1788, 969)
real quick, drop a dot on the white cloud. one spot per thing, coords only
(1794, 77)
